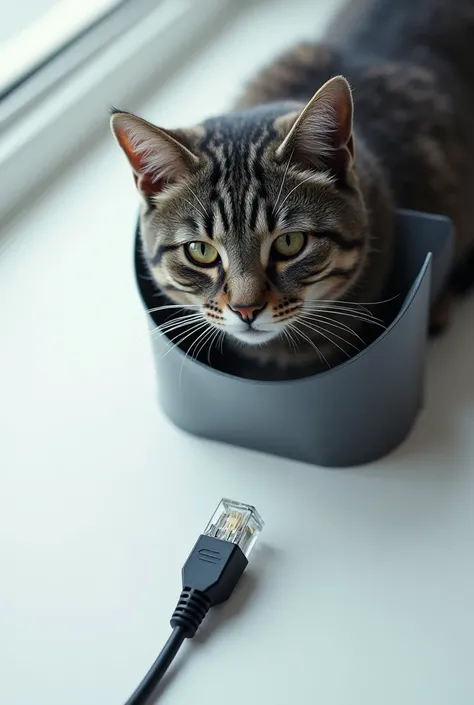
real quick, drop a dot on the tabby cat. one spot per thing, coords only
(274, 224)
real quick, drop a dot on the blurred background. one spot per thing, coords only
(63, 62)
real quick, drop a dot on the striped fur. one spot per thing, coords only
(286, 161)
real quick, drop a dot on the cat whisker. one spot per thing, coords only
(334, 323)
(187, 329)
(348, 313)
(343, 304)
(282, 183)
(194, 207)
(342, 307)
(181, 336)
(295, 341)
(311, 342)
(204, 212)
(175, 343)
(181, 316)
(221, 342)
(189, 317)
(198, 350)
(169, 306)
(319, 330)
(169, 327)
(189, 352)
(308, 178)
(179, 329)
(356, 303)
(318, 306)
(286, 333)
(356, 317)
(173, 315)
(211, 343)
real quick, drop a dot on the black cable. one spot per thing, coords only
(159, 668)
(209, 577)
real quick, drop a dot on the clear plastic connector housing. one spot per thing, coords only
(237, 523)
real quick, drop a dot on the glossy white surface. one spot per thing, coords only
(361, 591)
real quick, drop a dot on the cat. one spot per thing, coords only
(274, 223)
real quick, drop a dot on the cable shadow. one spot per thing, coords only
(246, 590)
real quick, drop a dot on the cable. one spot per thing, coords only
(159, 668)
(209, 577)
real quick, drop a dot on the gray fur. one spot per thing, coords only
(242, 179)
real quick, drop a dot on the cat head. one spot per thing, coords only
(250, 217)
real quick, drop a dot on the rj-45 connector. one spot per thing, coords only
(209, 577)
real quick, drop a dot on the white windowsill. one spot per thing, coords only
(362, 588)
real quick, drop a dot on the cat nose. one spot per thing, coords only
(248, 312)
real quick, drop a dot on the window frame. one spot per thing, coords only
(64, 106)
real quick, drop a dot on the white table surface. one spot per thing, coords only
(362, 590)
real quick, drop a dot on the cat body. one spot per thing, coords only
(274, 224)
(410, 64)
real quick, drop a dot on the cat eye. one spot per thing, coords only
(289, 245)
(202, 253)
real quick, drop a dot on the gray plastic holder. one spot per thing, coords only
(349, 415)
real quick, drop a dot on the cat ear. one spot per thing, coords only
(321, 134)
(158, 157)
